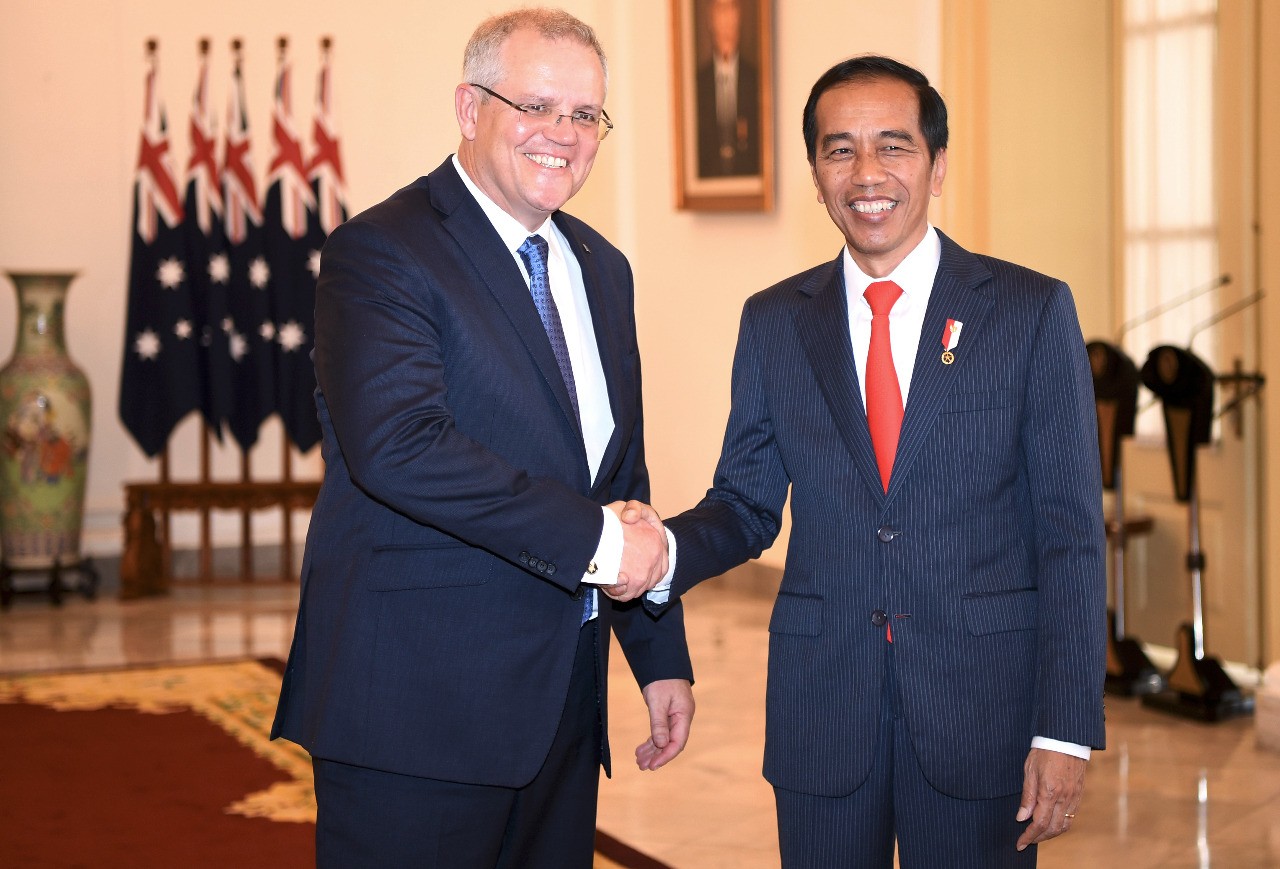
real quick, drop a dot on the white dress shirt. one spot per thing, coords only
(914, 275)
(564, 275)
(726, 78)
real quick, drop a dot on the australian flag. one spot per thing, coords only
(208, 266)
(325, 169)
(294, 258)
(160, 377)
(250, 331)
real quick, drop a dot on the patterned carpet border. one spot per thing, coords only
(240, 698)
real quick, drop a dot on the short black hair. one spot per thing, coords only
(933, 111)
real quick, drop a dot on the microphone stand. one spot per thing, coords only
(1198, 686)
(1129, 670)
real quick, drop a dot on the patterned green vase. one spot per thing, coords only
(44, 432)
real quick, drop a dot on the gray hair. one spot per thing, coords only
(482, 61)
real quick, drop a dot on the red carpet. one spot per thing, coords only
(162, 767)
(121, 788)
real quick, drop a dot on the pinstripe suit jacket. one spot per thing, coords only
(987, 552)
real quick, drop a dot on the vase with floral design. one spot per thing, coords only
(44, 432)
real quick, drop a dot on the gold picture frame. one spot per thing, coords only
(724, 126)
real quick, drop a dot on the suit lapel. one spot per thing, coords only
(823, 326)
(476, 237)
(957, 295)
(604, 318)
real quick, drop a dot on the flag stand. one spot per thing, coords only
(146, 566)
(272, 244)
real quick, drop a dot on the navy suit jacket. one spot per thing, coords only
(987, 553)
(440, 601)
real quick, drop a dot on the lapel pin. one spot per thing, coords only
(950, 338)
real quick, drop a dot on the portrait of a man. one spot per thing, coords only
(728, 89)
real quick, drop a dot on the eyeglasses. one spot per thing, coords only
(583, 120)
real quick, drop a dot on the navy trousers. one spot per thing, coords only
(897, 803)
(383, 820)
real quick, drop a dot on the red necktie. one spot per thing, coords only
(884, 398)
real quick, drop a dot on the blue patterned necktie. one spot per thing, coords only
(534, 254)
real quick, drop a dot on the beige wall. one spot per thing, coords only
(1028, 88)
(71, 85)
(1034, 133)
(71, 74)
(694, 270)
(1269, 280)
(1050, 146)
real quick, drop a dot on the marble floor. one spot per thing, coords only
(1167, 793)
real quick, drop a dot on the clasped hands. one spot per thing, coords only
(644, 551)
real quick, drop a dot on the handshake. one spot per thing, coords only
(644, 551)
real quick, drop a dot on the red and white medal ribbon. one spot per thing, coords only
(950, 338)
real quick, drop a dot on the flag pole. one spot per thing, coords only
(206, 521)
(166, 551)
(246, 523)
(206, 530)
(286, 476)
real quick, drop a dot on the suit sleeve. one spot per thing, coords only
(381, 372)
(655, 648)
(742, 513)
(1060, 452)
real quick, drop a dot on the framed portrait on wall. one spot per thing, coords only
(723, 52)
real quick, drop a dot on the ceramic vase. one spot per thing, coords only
(44, 432)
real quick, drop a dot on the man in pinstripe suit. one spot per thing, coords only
(937, 646)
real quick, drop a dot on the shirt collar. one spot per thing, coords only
(512, 232)
(725, 65)
(914, 274)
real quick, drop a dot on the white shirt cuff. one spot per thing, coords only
(1080, 751)
(605, 564)
(660, 593)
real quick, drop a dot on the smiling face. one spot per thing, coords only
(529, 166)
(872, 170)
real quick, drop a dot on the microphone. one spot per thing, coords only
(1164, 308)
(1229, 310)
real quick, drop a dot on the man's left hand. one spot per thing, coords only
(670, 703)
(1052, 786)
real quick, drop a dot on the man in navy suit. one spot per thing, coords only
(479, 395)
(937, 647)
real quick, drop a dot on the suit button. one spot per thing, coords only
(524, 558)
(542, 566)
(887, 533)
(879, 617)
(551, 570)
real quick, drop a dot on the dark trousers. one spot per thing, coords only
(383, 820)
(896, 802)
